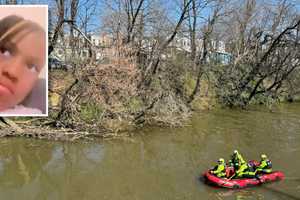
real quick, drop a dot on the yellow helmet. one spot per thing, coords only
(221, 160)
(235, 152)
(263, 156)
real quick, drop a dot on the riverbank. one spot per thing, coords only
(41, 128)
(109, 99)
(81, 107)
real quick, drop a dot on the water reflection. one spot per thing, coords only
(21, 162)
(33, 168)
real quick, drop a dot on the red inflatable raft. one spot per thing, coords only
(243, 182)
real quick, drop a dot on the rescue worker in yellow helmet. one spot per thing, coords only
(242, 170)
(246, 171)
(239, 164)
(220, 169)
(237, 160)
(265, 165)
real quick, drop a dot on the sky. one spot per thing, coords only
(95, 22)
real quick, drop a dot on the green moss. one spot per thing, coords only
(91, 112)
(134, 104)
(156, 84)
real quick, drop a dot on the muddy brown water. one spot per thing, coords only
(157, 163)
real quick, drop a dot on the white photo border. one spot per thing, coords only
(46, 63)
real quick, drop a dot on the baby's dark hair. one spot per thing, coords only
(12, 25)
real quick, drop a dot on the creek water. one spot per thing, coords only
(157, 163)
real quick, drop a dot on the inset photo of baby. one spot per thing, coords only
(23, 60)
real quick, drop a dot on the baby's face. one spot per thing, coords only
(21, 61)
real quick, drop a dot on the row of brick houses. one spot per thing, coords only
(63, 50)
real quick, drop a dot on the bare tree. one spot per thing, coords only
(124, 16)
(132, 12)
(194, 15)
(266, 49)
(200, 62)
(151, 68)
(74, 12)
(60, 21)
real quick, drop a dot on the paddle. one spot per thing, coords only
(231, 177)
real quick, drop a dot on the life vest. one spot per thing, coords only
(224, 169)
(222, 172)
(269, 164)
(251, 167)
